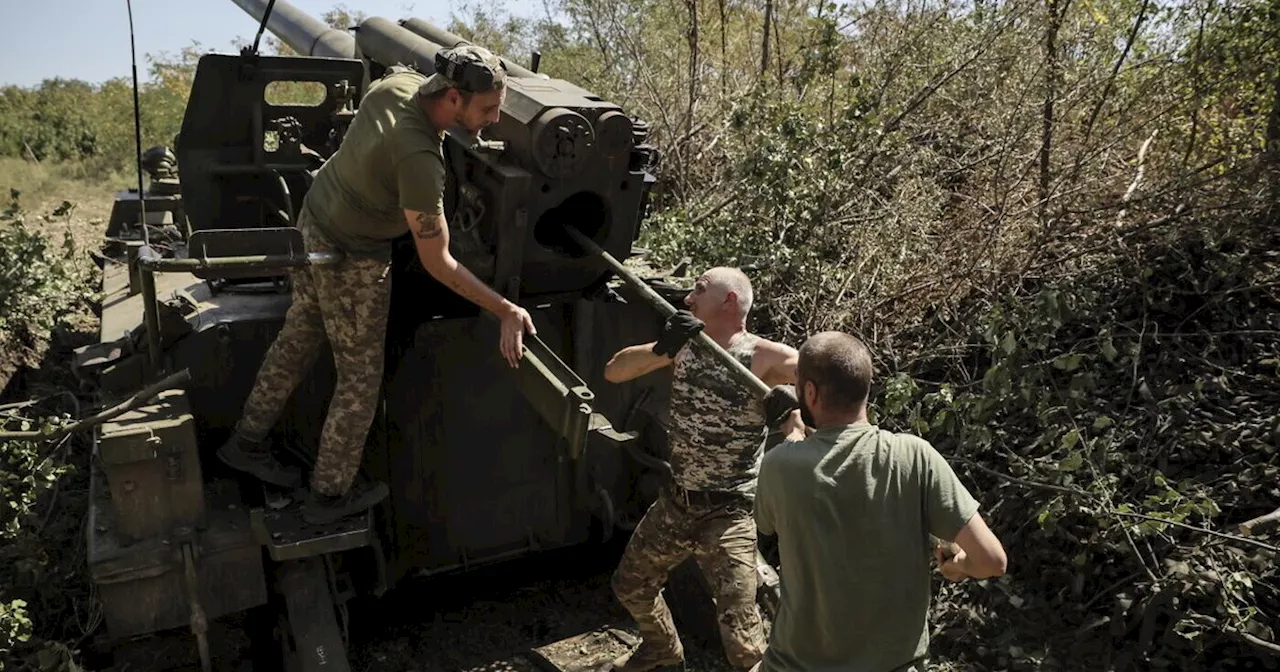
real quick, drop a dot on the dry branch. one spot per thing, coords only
(1126, 514)
(141, 397)
(1256, 641)
(1261, 523)
(1203, 530)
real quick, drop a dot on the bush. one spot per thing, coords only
(39, 549)
(1116, 424)
(37, 286)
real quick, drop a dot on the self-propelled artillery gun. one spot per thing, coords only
(484, 463)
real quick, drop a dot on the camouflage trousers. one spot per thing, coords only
(345, 303)
(722, 539)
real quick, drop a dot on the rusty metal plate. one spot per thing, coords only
(592, 651)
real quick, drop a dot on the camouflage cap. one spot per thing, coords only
(470, 54)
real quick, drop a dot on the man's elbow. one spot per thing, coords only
(986, 555)
(613, 369)
(990, 563)
(621, 366)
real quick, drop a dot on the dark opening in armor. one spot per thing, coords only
(584, 211)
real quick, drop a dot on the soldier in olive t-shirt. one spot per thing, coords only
(359, 199)
(389, 170)
(853, 507)
(857, 504)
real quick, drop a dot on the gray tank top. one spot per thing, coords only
(716, 424)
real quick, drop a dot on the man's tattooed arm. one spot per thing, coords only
(432, 241)
(428, 225)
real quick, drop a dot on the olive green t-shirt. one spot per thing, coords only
(390, 160)
(853, 507)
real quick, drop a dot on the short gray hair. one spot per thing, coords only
(734, 280)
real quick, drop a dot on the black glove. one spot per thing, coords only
(676, 332)
(778, 403)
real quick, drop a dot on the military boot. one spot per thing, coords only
(650, 656)
(321, 509)
(255, 458)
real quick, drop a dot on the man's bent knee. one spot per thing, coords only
(742, 634)
(624, 583)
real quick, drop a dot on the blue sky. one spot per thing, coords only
(89, 39)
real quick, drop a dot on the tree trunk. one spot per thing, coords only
(764, 50)
(724, 50)
(693, 81)
(1056, 10)
(1272, 152)
(693, 63)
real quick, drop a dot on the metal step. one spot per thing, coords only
(279, 526)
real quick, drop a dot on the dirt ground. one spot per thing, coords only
(557, 607)
(540, 614)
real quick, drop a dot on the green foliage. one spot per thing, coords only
(794, 216)
(65, 120)
(30, 472)
(28, 475)
(39, 282)
(70, 120)
(15, 626)
(40, 285)
(1141, 386)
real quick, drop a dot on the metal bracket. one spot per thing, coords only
(557, 393)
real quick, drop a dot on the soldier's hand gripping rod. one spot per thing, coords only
(742, 373)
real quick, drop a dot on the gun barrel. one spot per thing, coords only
(303, 33)
(447, 39)
(384, 42)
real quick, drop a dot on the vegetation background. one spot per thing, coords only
(1052, 220)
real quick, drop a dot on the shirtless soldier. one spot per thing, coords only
(716, 433)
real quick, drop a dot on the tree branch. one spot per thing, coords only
(1127, 514)
(1256, 641)
(1261, 523)
(141, 397)
(1214, 533)
(1106, 90)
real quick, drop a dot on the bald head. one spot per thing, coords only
(732, 280)
(840, 366)
(721, 297)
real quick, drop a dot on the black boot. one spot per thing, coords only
(324, 509)
(254, 458)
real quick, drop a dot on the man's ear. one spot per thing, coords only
(810, 393)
